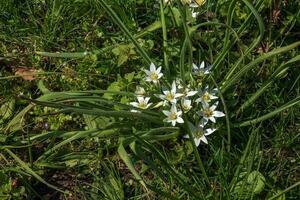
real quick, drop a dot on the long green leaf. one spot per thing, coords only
(122, 26)
(269, 115)
(268, 83)
(30, 171)
(255, 62)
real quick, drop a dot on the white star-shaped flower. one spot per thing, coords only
(140, 91)
(206, 95)
(142, 103)
(199, 133)
(170, 95)
(186, 104)
(201, 70)
(173, 116)
(209, 113)
(154, 74)
(187, 92)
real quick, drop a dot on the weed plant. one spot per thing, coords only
(71, 126)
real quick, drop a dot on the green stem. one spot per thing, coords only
(284, 191)
(191, 137)
(226, 114)
(165, 44)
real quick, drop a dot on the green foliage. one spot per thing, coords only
(69, 132)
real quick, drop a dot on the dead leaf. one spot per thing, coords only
(26, 73)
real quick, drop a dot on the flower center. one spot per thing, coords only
(199, 134)
(200, 74)
(170, 96)
(154, 76)
(208, 112)
(173, 116)
(186, 106)
(206, 96)
(143, 105)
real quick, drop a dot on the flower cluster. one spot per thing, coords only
(193, 4)
(179, 102)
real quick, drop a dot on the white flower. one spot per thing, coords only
(188, 93)
(142, 103)
(170, 95)
(154, 74)
(201, 70)
(209, 113)
(186, 104)
(140, 91)
(206, 95)
(173, 115)
(179, 83)
(200, 133)
(194, 14)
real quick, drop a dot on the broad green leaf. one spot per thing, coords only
(6, 110)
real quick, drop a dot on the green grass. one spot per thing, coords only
(69, 133)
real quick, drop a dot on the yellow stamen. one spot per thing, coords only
(199, 134)
(208, 112)
(173, 116)
(154, 76)
(206, 96)
(170, 96)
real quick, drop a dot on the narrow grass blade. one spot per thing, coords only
(122, 26)
(255, 62)
(277, 74)
(125, 157)
(30, 171)
(285, 191)
(254, 43)
(165, 44)
(269, 115)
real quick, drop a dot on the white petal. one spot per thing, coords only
(212, 119)
(205, 105)
(173, 122)
(147, 100)
(148, 105)
(186, 136)
(167, 113)
(194, 14)
(178, 95)
(179, 113)
(203, 138)
(218, 114)
(159, 75)
(202, 65)
(195, 67)
(173, 87)
(204, 121)
(140, 99)
(191, 93)
(213, 97)
(209, 131)
(198, 100)
(152, 67)
(197, 141)
(213, 107)
(159, 104)
(214, 91)
(158, 70)
(135, 104)
(173, 108)
(147, 72)
(180, 120)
